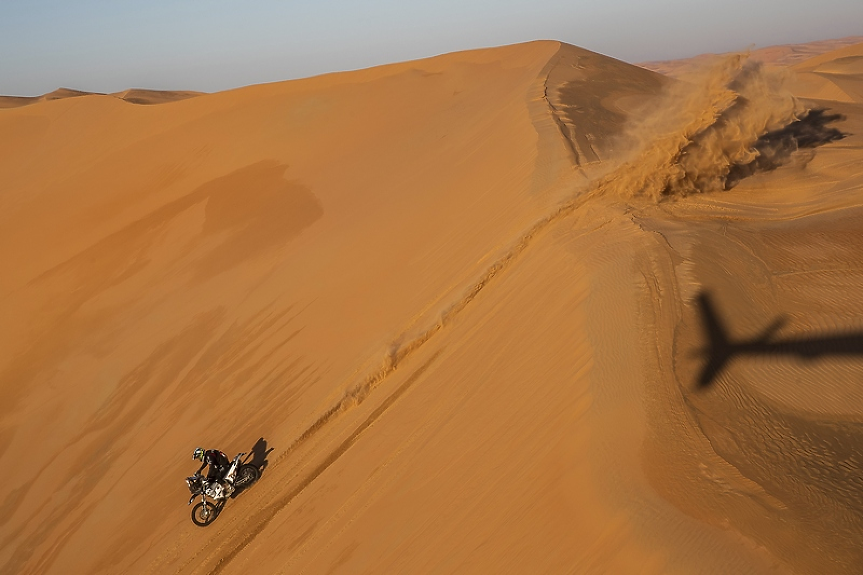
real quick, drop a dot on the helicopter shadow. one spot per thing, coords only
(721, 349)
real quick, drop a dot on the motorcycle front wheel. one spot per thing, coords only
(203, 515)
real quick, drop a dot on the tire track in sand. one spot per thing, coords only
(357, 395)
(268, 514)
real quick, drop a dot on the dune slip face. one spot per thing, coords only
(458, 296)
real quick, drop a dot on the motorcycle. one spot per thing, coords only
(238, 477)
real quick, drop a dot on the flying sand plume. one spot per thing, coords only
(737, 119)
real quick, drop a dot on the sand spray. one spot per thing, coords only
(701, 129)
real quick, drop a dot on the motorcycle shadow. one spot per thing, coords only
(258, 455)
(240, 490)
(256, 458)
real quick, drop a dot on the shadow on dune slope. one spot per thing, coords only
(806, 462)
(258, 455)
(592, 97)
(721, 349)
(775, 148)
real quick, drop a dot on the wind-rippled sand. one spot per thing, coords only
(466, 300)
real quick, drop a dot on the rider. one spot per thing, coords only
(217, 461)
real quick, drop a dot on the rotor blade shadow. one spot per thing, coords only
(720, 348)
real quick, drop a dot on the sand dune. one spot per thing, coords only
(140, 96)
(459, 298)
(133, 96)
(58, 94)
(784, 55)
(837, 75)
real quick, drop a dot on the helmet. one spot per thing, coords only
(199, 453)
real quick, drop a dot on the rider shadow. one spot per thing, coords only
(257, 457)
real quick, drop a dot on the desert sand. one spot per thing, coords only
(134, 96)
(784, 55)
(466, 301)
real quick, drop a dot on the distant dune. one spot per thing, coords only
(526, 309)
(133, 96)
(139, 96)
(784, 55)
(60, 93)
(836, 76)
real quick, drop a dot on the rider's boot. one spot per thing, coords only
(228, 487)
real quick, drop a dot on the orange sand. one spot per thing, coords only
(134, 96)
(784, 55)
(373, 271)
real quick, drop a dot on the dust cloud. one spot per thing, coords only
(706, 134)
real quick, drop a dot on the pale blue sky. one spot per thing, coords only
(209, 45)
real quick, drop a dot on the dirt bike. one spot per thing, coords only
(238, 477)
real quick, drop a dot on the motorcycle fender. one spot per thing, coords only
(192, 499)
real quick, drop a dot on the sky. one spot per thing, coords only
(211, 45)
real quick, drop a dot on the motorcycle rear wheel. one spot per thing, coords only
(203, 517)
(246, 475)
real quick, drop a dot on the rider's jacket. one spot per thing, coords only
(218, 463)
